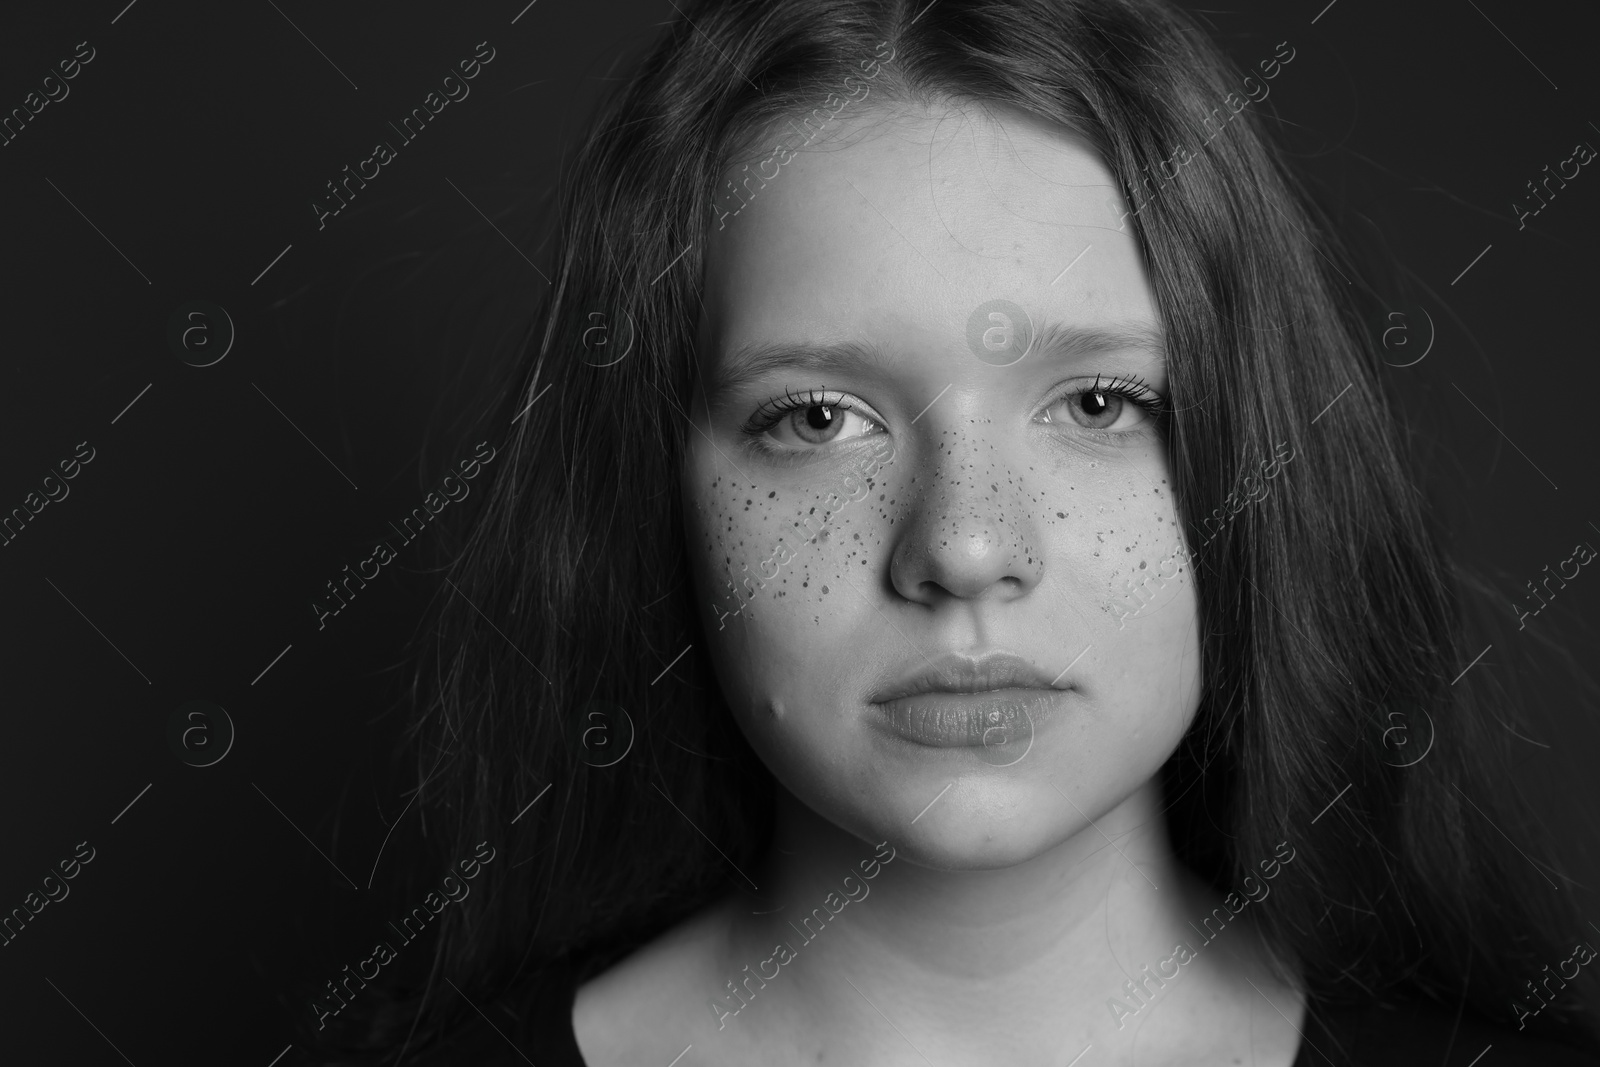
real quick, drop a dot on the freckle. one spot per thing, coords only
(1060, 515)
(824, 590)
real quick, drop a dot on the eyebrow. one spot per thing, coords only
(750, 362)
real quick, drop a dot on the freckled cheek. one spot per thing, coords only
(723, 522)
(849, 548)
(849, 536)
(1132, 554)
(829, 569)
(793, 607)
(1134, 577)
(788, 544)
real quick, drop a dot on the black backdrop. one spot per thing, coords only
(180, 167)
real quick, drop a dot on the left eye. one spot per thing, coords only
(1099, 408)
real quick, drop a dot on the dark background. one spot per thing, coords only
(185, 558)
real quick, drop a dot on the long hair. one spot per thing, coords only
(1327, 607)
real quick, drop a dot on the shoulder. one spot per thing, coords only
(1423, 1032)
(631, 1011)
(645, 1004)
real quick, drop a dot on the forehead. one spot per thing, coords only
(901, 221)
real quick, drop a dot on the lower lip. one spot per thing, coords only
(1001, 717)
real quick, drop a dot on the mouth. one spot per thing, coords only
(1000, 721)
(993, 702)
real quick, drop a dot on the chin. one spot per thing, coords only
(978, 845)
(989, 818)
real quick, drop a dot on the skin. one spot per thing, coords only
(1021, 896)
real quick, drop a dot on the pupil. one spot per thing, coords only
(1094, 403)
(819, 416)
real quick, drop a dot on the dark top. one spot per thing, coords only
(1333, 1036)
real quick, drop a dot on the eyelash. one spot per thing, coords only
(1131, 388)
(773, 411)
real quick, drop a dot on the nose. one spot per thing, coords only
(969, 531)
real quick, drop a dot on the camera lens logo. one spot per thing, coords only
(999, 333)
(200, 733)
(607, 734)
(1007, 735)
(1407, 733)
(1407, 336)
(200, 333)
(603, 346)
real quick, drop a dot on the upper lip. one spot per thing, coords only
(958, 672)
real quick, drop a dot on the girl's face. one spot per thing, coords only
(903, 466)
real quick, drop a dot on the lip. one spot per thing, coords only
(957, 672)
(993, 701)
(1002, 722)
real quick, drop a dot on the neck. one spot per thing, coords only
(1035, 952)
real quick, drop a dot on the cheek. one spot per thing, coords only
(1127, 544)
(772, 659)
(1119, 554)
(787, 547)
(784, 576)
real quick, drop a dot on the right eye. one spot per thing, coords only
(794, 422)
